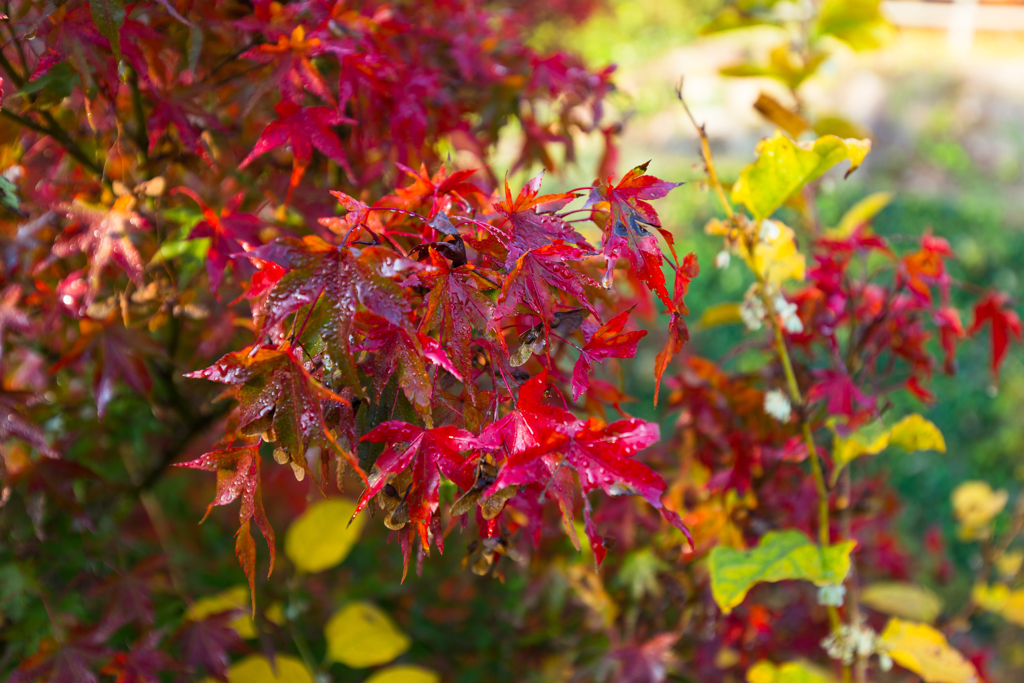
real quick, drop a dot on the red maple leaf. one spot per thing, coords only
(238, 473)
(841, 393)
(105, 235)
(142, 663)
(303, 128)
(625, 234)
(609, 341)
(536, 272)
(678, 332)
(993, 308)
(230, 233)
(205, 643)
(438, 190)
(277, 396)
(11, 317)
(335, 281)
(426, 454)
(69, 661)
(522, 428)
(534, 221)
(399, 349)
(601, 455)
(293, 70)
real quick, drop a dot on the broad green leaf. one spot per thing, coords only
(361, 635)
(322, 537)
(721, 314)
(858, 23)
(790, 672)
(784, 166)
(258, 669)
(999, 599)
(404, 673)
(108, 16)
(914, 433)
(923, 650)
(9, 198)
(859, 214)
(781, 555)
(904, 600)
(53, 86)
(235, 598)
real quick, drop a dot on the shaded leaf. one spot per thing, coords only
(904, 600)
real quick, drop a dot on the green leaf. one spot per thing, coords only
(781, 555)
(783, 167)
(361, 635)
(322, 537)
(790, 672)
(9, 198)
(108, 16)
(899, 599)
(53, 86)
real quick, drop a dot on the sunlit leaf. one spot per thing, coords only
(905, 600)
(781, 555)
(923, 650)
(258, 669)
(322, 537)
(858, 23)
(790, 672)
(784, 166)
(999, 599)
(361, 635)
(404, 673)
(235, 598)
(914, 433)
(721, 314)
(975, 505)
(859, 214)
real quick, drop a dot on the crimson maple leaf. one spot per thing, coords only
(15, 425)
(454, 307)
(303, 128)
(70, 660)
(398, 349)
(992, 308)
(625, 234)
(277, 396)
(142, 663)
(842, 394)
(238, 473)
(529, 283)
(438, 190)
(534, 221)
(105, 235)
(601, 455)
(609, 341)
(293, 70)
(678, 332)
(426, 454)
(522, 428)
(337, 281)
(230, 233)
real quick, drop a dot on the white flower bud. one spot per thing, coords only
(831, 595)
(777, 406)
(722, 260)
(770, 231)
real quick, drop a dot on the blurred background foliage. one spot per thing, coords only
(948, 141)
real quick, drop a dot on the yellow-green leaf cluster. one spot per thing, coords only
(923, 650)
(235, 598)
(322, 537)
(912, 433)
(975, 505)
(780, 555)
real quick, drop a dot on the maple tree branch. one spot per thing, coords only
(705, 149)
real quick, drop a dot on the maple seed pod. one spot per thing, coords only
(492, 506)
(299, 472)
(466, 502)
(281, 457)
(259, 425)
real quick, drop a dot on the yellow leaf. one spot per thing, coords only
(776, 258)
(322, 537)
(914, 433)
(783, 167)
(257, 669)
(790, 672)
(1000, 600)
(361, 635)
(235, 598)
(923, 650)
(906, 600)
(847, 449)
(1009, 563)
(975, 505)
(721, 314)
(780, 555)
(786, 119)
(404, 673)
(859, 214)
